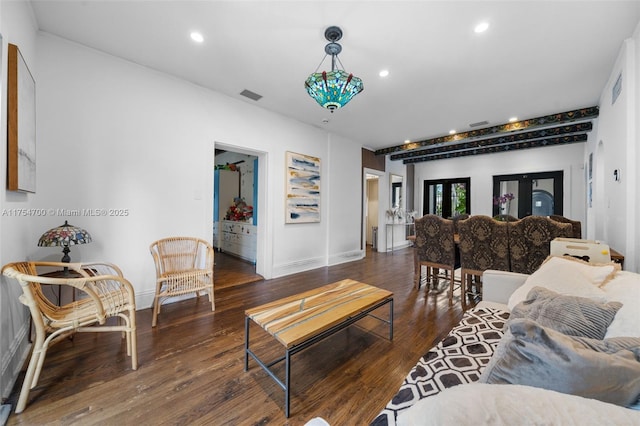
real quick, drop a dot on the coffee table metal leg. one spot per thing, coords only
(287, 381)
(391, 320)
(246, 343)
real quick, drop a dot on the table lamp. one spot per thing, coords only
(64, 236)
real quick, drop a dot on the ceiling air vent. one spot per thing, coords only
(479, 123)
(251, 95)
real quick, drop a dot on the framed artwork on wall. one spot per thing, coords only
(303, 188)
(21, 124)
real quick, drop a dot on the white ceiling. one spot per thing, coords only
(537, 58)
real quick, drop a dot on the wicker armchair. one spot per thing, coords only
(100, 292)
(530, 239)
(436, 251)
(184, 265)
(483, 245)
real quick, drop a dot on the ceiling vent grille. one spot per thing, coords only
(251, 95)
(479, 123)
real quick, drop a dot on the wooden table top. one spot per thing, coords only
(294, 319)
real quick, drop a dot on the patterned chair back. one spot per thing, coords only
(483, 244)
(576, 224)
(434, 240)
(457, 218)
(529, 241)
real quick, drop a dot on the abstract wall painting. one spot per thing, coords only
(303, 188)
(21, 124)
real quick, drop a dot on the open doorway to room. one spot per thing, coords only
(235, 217)
(371, 209)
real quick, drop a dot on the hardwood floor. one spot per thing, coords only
(230, 271)
(192, 364)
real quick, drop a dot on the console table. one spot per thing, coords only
(411, 226)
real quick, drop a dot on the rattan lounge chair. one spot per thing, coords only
(99, 292)
(184, 265)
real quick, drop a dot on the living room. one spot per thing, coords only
(114, 134)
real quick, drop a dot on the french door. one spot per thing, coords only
(533, 194)
(447, 197)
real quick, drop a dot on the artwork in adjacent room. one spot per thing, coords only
(303, 188)
(21, 123)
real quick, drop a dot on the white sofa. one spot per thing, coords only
(476, 402)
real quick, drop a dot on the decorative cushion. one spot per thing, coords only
(625, 288)
(568, 276)
(570, 315)
(533, 355)
(505, 405)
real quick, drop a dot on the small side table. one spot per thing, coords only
(617, 257)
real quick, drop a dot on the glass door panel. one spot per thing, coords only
(542, 202)
(458, 198)
(447, 197)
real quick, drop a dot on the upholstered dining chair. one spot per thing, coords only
(436, 251)
(575, 224)
(184, 265)
(457, 218)
(483, 245)
(530, 240)
(100, 292)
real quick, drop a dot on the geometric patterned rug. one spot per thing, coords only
(459, 358)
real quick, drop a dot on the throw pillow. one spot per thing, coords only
(569, 276)
(529, 354)
(625, 288)
(570, 315)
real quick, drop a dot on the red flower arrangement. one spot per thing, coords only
(239, 211)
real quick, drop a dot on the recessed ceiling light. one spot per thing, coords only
(407, 141)
(481, 27)
(452, 132)
(513, 119)
(197, 37)
(384, 73)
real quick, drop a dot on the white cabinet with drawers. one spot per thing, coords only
(238, 238)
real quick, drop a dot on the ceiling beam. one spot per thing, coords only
(518, 126)
(560, 140)
(500, 140)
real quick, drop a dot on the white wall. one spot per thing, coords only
(482, 168)
(17, 26)
(342, 185)
(143, 141)
(616, 206)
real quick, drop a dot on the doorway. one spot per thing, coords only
(236, 224)
(371, 209)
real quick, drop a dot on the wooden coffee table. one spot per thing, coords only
(304, 319)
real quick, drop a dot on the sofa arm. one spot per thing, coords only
(497, 286)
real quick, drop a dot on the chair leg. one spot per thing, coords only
(212, 299)
(30, 378)
(463, 292)
(156, 309)
(133, 339)
(451, 284)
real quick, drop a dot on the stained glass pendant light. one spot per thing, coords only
(333, 89)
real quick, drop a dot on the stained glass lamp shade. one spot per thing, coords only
(333, 89)
(64, 235)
